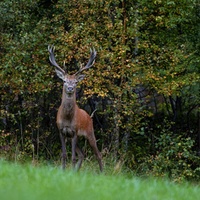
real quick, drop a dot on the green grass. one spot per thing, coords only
(26, 182)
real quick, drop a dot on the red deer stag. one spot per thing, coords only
(71, 120)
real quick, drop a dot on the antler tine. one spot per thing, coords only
(91, 61)
(52, 58)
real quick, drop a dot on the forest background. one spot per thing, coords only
(145, 82)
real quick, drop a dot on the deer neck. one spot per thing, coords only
(68, 104)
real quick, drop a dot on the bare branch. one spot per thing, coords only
(92, 115)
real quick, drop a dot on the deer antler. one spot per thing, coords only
(52, 59)
(90, 63)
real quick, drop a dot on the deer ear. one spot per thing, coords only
(60, 74)
(80, 77)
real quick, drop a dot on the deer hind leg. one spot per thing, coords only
(93, 144)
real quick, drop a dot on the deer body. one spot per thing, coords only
(70, 118)
(72, 121)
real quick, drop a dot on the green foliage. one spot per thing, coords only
(173, 156)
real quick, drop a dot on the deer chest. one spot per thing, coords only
(68, 131)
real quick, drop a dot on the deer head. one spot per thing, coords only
(70, 81)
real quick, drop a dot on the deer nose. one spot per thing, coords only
(70, 89)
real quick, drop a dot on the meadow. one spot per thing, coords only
(22, 182)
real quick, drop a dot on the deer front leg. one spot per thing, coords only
(64, 154)
(74, 143)
(80, 157)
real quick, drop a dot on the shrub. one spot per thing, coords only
(174, 157)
